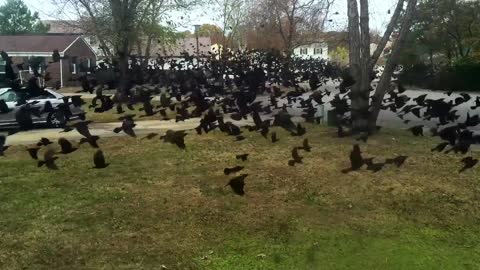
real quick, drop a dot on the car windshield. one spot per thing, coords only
(9, 96)
(44, 95)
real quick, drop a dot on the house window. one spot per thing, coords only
(303, 50)
(3, 65)
(30, 70)
(34, 61)
(73, 65)
(89, 65)
(318, 51)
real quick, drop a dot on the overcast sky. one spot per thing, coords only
(378, 14)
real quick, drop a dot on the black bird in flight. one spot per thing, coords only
(44, 142)
(417, 130)
(82, 128)
(306, 146)
(66, 146)
(242, 157)
(371, 166)
(228, 171)
(440, 147)
(33, 152)
(127, 126)
(398, 161)
(150, 136)
(175, 137)
(92, 140)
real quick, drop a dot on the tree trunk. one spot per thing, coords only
(386, 35)
(147, 54)
(430, 56)
(384, 83)
(359, 104)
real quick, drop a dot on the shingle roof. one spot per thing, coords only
(36, 43)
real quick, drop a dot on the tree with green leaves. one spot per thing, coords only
(214, 32)
(16, 19)
(449, 28)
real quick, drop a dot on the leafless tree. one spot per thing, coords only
(362, 62)
(300, 22)
(120, 24)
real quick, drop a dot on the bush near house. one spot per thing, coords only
(461, 76)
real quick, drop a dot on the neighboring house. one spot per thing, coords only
(188, 44)
(73, 49)
(66, 27)
(314, 51)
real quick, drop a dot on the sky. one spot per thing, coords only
(378, 14)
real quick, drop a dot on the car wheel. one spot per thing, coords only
(56, 119)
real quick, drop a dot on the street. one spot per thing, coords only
(386, 119)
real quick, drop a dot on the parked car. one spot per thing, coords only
(56, 119)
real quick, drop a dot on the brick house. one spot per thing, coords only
(75, 52)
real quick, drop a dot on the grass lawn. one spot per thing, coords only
(158, 205)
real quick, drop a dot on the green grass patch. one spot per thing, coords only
(158, 205)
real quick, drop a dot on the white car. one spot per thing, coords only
(57, 119)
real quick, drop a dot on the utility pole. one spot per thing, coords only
(197, 28)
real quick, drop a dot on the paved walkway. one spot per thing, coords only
(386, 118)
(105, 130)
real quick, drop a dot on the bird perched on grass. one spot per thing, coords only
(237, 184)
(468, 163)
(3, 148)
(228, 171)
(99, 160)
(49, 160)
(296, 157)
(356, 159)
(66, 146)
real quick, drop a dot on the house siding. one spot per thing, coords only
(308, 51)
(82, 52)
(79, 50)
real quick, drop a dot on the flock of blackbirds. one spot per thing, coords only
(222, 90)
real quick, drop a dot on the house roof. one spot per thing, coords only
(36, 43)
